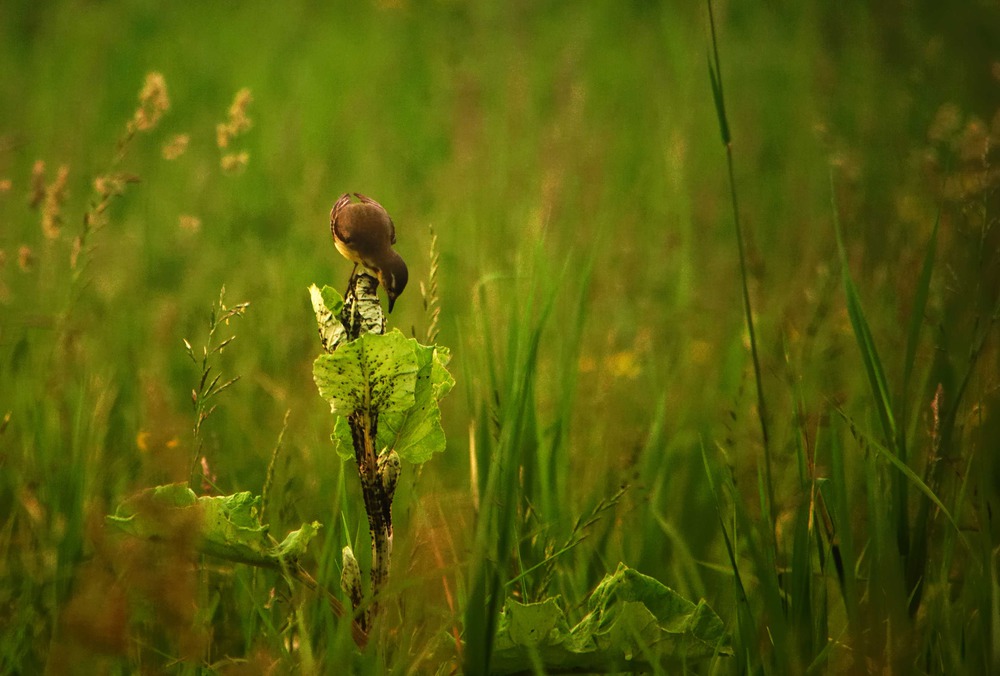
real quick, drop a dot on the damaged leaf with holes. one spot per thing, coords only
(395, 378)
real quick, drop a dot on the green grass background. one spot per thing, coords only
(569, 159)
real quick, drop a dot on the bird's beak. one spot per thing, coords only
(392, 301)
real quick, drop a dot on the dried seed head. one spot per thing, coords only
(25, 258)
(55, 195)
(176, 146)
(222, 135)
(237, 121)
(102, 185)
(189, 223)
(234, 163)
(153, 102)
(113, 185)
(37, 184)
(74, 255)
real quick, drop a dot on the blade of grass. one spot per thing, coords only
(840, 511)
(876, 380)
(715, 74)
(917, 552)
(862, 333)
(916, 324)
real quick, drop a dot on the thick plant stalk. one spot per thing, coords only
(371, 380)
(378, 505)
(363, 314)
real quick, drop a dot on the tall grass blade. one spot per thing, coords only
(877, 384)
(863, 335)
(917, 315)
(720, 105)
(716, 75)
(917, 559)
(842, 548)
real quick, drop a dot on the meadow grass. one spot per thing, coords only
(610, 398)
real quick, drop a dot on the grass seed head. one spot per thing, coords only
(189, 223)
(153, 103)
(176, 146)
(55, 196)
(237, 122)
(25, 258)
(234, 163)
(37, 184)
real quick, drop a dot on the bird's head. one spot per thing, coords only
(393, 275)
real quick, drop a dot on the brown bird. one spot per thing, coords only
(364, 233)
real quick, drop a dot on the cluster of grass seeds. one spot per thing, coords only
(88, 598)
(58, 410)
(237, 123)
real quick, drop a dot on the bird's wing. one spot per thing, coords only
(392, 226)
(368, 200)
(342, 202)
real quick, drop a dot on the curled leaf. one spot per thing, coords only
(224, 526)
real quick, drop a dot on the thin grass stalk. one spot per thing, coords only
(715, 73)
(916, 324)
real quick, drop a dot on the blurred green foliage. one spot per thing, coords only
(568, 157)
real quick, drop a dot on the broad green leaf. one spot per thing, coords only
(697, 629)
(416, 434)
(533, 624)
(231, 525)
(225, 526)
(634, 624)
(374, 374)
(394, 380)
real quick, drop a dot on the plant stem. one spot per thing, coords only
(364, 429)
(715, 73)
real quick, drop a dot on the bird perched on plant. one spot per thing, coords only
(364, 233)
